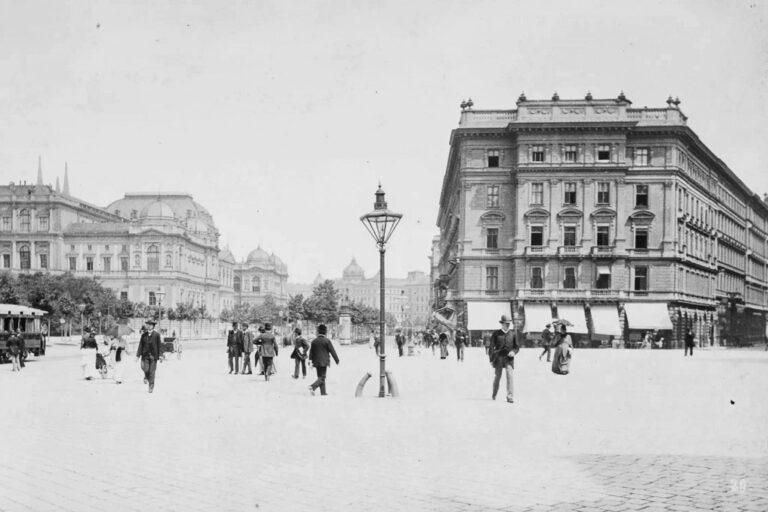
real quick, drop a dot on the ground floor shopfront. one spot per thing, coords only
(615, 323)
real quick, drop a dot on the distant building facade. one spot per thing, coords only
(159, 249)
(407, 299)
(617, 217)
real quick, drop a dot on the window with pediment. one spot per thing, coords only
(25, 259)
(256, 284)
(153, 258)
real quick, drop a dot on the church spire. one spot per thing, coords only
(39, 171)
(66, 180)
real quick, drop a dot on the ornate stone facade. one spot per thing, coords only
(595, 204)
(150, 248)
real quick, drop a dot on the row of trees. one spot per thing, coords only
(69, 298)
(324, 306)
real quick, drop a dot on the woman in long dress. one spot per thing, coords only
(120, 347)
(561, 362)
(88, 349)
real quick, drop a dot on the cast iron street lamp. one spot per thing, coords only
(381, 223)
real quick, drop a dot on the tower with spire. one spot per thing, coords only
(66, 180)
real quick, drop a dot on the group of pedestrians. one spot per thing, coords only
(242, 340)
(562, 343)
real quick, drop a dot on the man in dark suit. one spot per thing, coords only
(149, 352)
(400, 340)
(319, 354)
(460, 341)
(268, 348)
(502, 350)
(234, 348)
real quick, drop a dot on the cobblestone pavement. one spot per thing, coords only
(627, 430)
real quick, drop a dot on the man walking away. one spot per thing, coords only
(14, 346)
(268, 347)
(299, 354)
(546, 342)
(247, 349)
(503, 347)
(400, 340)
(690, 341)
(149, 353)
(234, 342)
(460, 342)
(319, 354)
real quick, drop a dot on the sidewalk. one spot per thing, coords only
(627, 430)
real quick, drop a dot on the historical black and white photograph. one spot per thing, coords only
(425, 255)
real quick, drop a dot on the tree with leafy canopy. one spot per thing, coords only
(323, 305)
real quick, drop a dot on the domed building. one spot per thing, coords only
(156, 249)
(261, 274)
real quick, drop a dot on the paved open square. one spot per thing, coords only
(626, 430)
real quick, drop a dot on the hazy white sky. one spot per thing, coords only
(281, 117)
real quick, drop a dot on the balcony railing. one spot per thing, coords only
(569, 250)
(602, 251)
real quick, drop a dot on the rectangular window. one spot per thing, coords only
(641, 238)
(492, 278)
(6, 223)
(134, 214)
(6, 261)
(569, 236)
(106, 247)
(537, 277)
(603, 281)
(493, 196)
(537, 153)
(124, 264)
(107, 264)
(89, 264)
(569, 281)
(537, 236)
(123, 296)
(492, 238)
(43, 260)
(72, 248)
(641, 156)
(42, 223)
(25, 259)
(570, 154)
(72, 263)
(603, 236)
(569, 197)
(603, 192)
(152, 299)
(603, 153)
(537, 193)
(641, 196)
(493, 158)
(124, 248)
(641, 279)
(90, 248)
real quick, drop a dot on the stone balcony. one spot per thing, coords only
(569, 251)
(602, 251)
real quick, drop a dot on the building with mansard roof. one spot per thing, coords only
(159, 249)
(619, 219)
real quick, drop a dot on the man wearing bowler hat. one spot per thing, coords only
(149, 352)
(502, 350)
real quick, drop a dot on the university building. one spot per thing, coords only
(616, 218)
(159, 249)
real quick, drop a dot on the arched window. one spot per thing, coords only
(25, 260)
(168, 260)
(256, 284)
(237, 283)
(153, 258)
(24, 220)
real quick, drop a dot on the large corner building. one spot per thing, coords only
(617, 218)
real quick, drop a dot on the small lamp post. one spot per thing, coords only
(160, 297)
(381, 223)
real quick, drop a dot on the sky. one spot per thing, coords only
(281, 117)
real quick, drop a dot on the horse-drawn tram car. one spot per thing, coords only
(28, 322)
